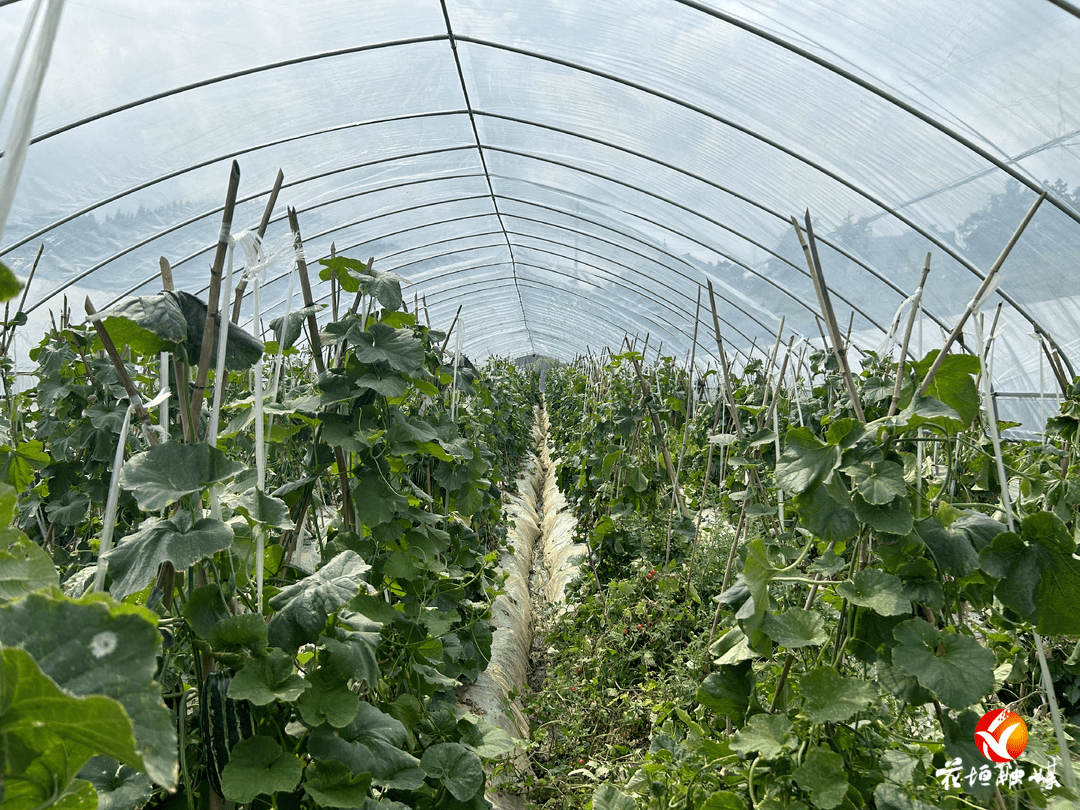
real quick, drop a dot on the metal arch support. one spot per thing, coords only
(575, 66)
(311, 237)
(192, 220)
(480, 150)
(464, 148)
(613, 278)
(892, 98)
(1065, 5)
(704, 180)
(222, 159)
(681, 207)
(933, 239)
(238, 74)
(665, 328)
(151, 279)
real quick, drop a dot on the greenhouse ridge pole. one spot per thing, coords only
(452, 38)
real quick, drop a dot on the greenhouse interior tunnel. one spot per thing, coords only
(569, 404)
(570, 174)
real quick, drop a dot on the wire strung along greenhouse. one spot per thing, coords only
(421, 404)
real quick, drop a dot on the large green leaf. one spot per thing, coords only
(764, 734)
(258, 765)
(242, 348)
(386, 289)
(10, 286)
(806, 461)
(97, 647)
(259, 507)
(148, 324)
(891, 518)
(328, 700)
(134, 561)
(264, 680)
(824, 516)
(457, 767)
(119, 787)
(1040, 584)
(399, 348)
(165, 473)
(829, 697)
(953, 383)
(376, 501)
(957, 668)
(71, 508)
(795, 628)
(332, 784)
(890, 797)
(726, 692)
(371, 743)
(173, 321)
(348, 272)
(24, 567)
(823, 776)
(1047, 530)
(18, 465)
(878, 483)
(354, 648)
(952, 549)
(877, 590)
(303, 608)
(296, 324)
(35, 710)
(608, 797)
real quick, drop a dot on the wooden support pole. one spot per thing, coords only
(360, 293)
(263, 224)
(305, 286)
(916, 302)
(979, 294)
(728, 396)
(646, 392)
(809, 246)
(121, 370)
(203, 372)
(450, 331)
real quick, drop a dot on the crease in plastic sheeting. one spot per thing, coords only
(541, 535)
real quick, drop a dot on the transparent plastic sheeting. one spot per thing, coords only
(569, 173)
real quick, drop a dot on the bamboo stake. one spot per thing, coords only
(334, 289)
(663, 444)
(360, 293)
(726, 369)
(809, 246)
(215, 291)
(983, 290)
(1047, 681)
(768, 370)
(121, 370)
(9, 330)
(916, 302)
(305, 286)
(262, 232)
(450, 331)
(686, 423)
